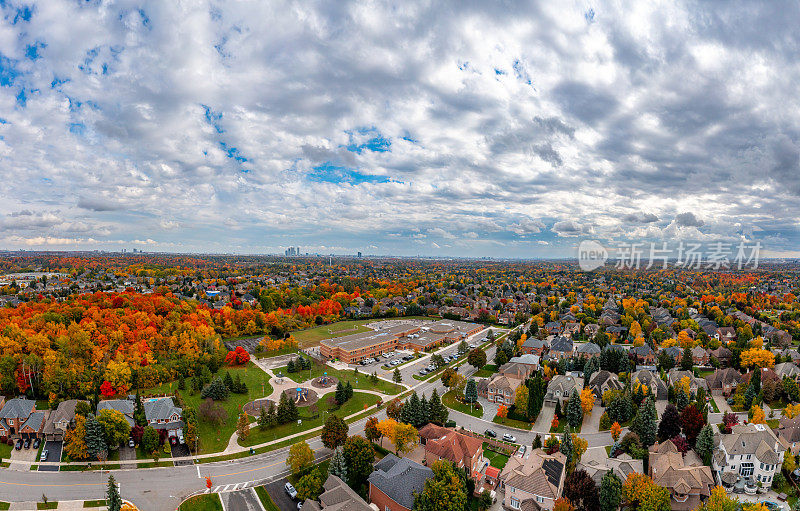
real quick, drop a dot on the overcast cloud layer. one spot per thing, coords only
(435, 128)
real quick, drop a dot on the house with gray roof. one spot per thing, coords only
(560, 389)
(750, 452)
(653, 382)
(787, 370)
(33, 426)
(394, 481)
(162, 413)
(124, 406)
(587, 349)
(602, 381)
(14, 414)
(60, 419)
(337, 497)
(560, 347)
(537, 478)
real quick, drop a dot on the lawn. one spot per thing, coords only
(486, 371)
(94, 503)
(215, 438)
(265, 499)
(206, 502)
(773, 423)
(562, 423)
(353, 405)
(5, 450)
(359, 381)
(496, 459)
(449, 400)
(713, 405)
(512, 423)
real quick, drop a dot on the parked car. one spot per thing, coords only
(36, 443)
(509, 437)
(44, 455)
(423, 371)
(772, 506)
(130, 443)
(27, 444)
(290, 490)
(521, 451)
(18, 445)
(180, 439)
(490, 433)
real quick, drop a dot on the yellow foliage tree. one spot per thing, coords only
(684, 340)
(757, 415)
(791, 411)
(684, 386)
(641, 488)
(579, 446)
(616, 430)
(757, 357)
(587, 400)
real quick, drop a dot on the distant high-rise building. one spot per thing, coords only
(359, 255)
(292, 251)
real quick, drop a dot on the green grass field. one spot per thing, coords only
(353, 405)
(207, 502)
(215, 438)
(359, 381)
(276, 353)
(486, 371)
(496, 459)
(513, 423)
(265, 499)
(449, 400)
(5, 451)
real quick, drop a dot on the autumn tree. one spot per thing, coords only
(521, 398)
(692, 422)
(310, 486)
(334, 432)
(641, 492)
(300, 457)
(502, 411)
(563, 504)
(757, 357)
(670, 425)
(116, 429)
(587, 401)
(757, 415)
(580, 489)
(616, 430)
(477, 358)
(243, 426)
(371, 431)
(405, 438)
(445, 491)
(359, 455)
(75, 440)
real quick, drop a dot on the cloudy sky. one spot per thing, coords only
(437, 128)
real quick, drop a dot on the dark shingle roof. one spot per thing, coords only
(400, 478)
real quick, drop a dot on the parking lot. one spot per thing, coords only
(279, 496)
(53, 454)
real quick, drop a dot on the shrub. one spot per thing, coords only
(605, 422)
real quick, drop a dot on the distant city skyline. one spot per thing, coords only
(442, 129)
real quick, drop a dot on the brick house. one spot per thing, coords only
(447, 444)
(14, 414)
(723, 381)
(537, 479)
(394, 481)
(502, 389)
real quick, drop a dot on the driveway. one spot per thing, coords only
(29, 454)
(722, 404)
(127, 453)
(180, 450)
(591, 423)
(661, 405)
(244, 500)
(544, 419)
(489, 409)
(53, 454)
(279, 495)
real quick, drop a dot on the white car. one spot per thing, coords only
(43, 457)
(290, 490)
(509, 437)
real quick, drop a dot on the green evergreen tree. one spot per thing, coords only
(348, 390)
(574, 410)
(755, 380)
(263, 419)
(610, 492)
(425, 412)
(216, 390)
(681, 400)
(181, 382)
(340, 395)
(749, 397)
(686, 359)
(566, 445)
(95, 438)
(589, 369)
(139, 417)
(645, 423)
(113, 499)
(558, 413)
(438, 412)
(228, 381)
(396, 376)
(537, 442)
(290, 368)
(338, 465)
(705, 444)
(471, 391)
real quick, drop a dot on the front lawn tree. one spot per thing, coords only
(300, 457)
(477, 358)
(334, 432)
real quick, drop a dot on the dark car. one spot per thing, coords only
(490, 433)
(36, 443)
(27, 443)
(18, 446)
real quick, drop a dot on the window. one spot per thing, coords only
(746, 470)
(514, 503)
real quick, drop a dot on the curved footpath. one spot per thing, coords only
(164, 488)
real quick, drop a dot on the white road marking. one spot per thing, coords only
(198, 472)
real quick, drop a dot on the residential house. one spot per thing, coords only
(163, 414)
(560, 347)
(787, 370)
(700, 356)
(723, 381)
(591, 330)
(675, 375)
(33, 426)
(560, 389)
(687, 479)
(674, 352)
(338, 496)
(530, 360)
(601, 381)
(596, 463)
(788, 433)
(587, 350)
(502, 389)
(394, 482)
(723, 355)
(533, 346)
(750, 451)
(462, 450)
(725, 334)
(124, 406)
(14, 414)
(644, 354)
(553, 328)
(60, 420)
(653, 382)
(571, 329)
(538, 478)
(519, 367)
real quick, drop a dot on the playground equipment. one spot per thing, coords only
(301, 393)
(324, 380)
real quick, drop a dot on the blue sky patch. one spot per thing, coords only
(521, 73)
(499, 72)
(213, 118)
(58, 82)
(375, 141)
(24, 13)
(32, 50)
(232, 152)
(330, 173)
(8, 71)
(22, 98)
(77, 128)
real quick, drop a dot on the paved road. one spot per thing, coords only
(164, 488)
(243, 500)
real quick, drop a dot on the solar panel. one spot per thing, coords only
(553, 469)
